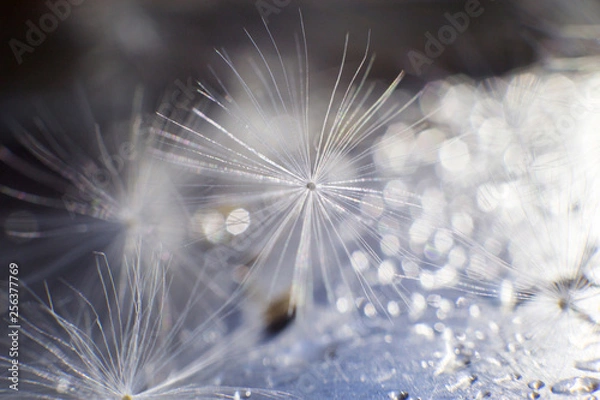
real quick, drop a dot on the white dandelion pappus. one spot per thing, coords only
(494, 161)
(114, 192)
(550, 293)
(531, 244)
(536, 245)
(530, 238)
(294, 161)
(128, 344)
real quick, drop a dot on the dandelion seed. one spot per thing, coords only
(115, 194)
(130, 344)
(522, 217)
(301, 157)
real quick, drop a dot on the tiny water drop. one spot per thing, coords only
(535, 385)
(578, 385)
(402, 395)
(591, 365)
(239, 395)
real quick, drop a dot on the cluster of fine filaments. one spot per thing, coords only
(128, 340)
(299, 176)
(527, 188)
(321, 194)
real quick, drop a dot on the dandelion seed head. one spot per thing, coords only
(309, 160)
(111, 192)
(131, 342)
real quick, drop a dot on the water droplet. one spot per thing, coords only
(439, 327)
(239, 395)
(576, 385)
(462, 222)
(536, 384)
(238, 221)
(425, 330)
(483, 395)
(454, 155)
(462, 382)
(307, 383)
(62, 386)
(393, 308)
(513, 376)
(370, 310)
(342, 305)
(474, 311)
(386, 272)
(434, 300)
(591, 365)
(393, 395)
(533, 396)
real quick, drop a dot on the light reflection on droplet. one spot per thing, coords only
(390, 245)
(370, 310)
(410, 268)
(238, 221)
(443, 240)
(386, 272)
(393, 308)
(418, 305)
(454, 155)
(210, 224)
(359, 261)
(342, 305)
(462, 222)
